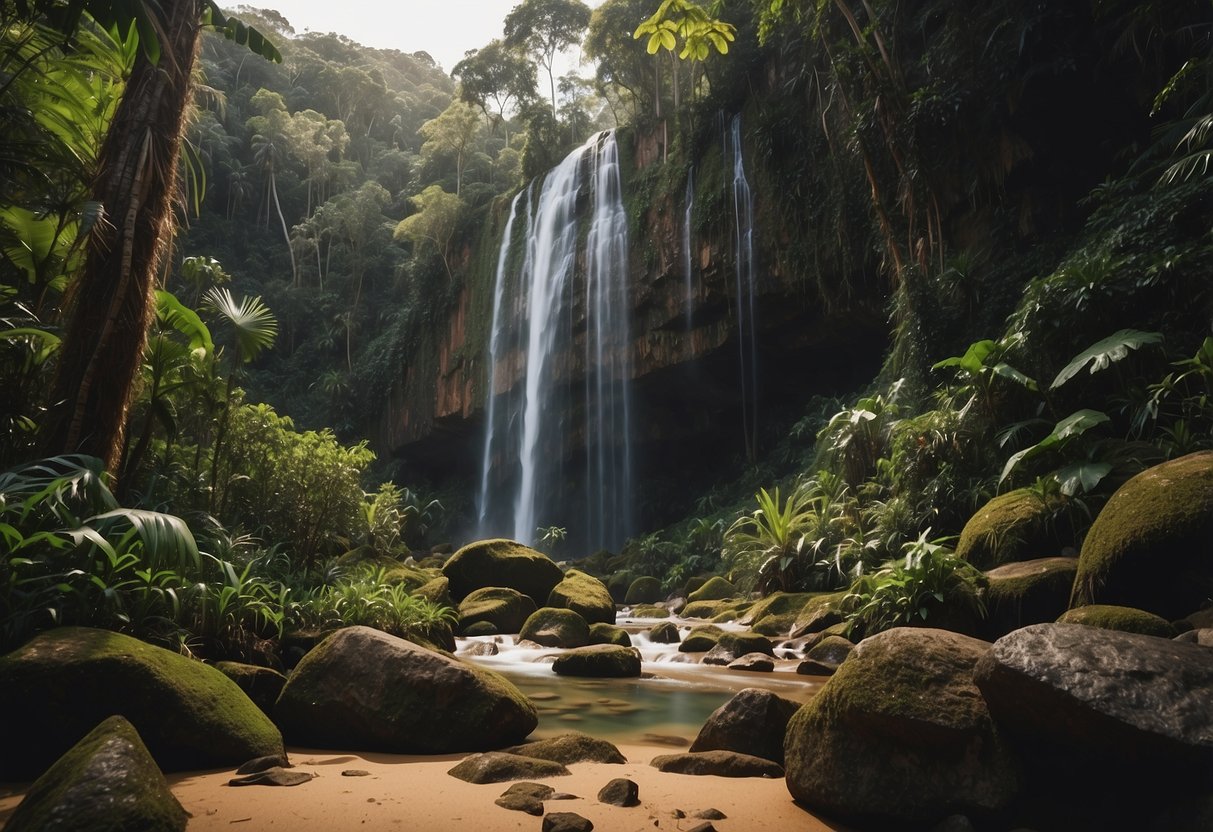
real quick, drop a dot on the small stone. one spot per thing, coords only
(666, 739)
(709, 814)
(520, 803)
(355, 772)
(706, 826)
(678, 814)
(275, 776)
(719, 763)
(620, 792)
(539, 791)
(262, 763)
(753, 662)
(812, 667)
(563, 796)
(479, 648)
(566, 822)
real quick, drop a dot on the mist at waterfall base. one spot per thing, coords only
(560, 344)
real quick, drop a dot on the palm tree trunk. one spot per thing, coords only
(111, 304)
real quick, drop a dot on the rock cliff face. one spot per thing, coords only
(687, 394)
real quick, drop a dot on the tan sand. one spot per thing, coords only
(416, 793)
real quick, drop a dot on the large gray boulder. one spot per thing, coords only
(364, 689)
(61, 684)
(901, 735)
(1113, 695)
(752, 722)
(1114, 727)
(107, 781)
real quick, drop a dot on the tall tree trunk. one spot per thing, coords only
(112, 302)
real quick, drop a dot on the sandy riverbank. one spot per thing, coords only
(416, 793)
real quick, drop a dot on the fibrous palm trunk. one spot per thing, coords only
(112, 302)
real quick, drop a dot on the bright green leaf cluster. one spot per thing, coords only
(685, 21)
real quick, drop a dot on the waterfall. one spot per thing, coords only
(743, 255)
(495, 355)
(539, 307)
(687, 255)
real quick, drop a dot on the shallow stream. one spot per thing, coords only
(668, 703)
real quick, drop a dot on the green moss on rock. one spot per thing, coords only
(554, 627)
(776, 614)
(649, 611)
(716, 589)
(585, 595)
(901, 735)
(367, 690)
(1012, 527)
(107, 782)
(709, 609)
(822, 610)
(1123, 619)
(1149, 548)
(602, 661)
(609, 634)
(618, 585)
(65, 681)
(437, 590)
(644, 590)
(701, 638)
(504, 608)
(1028, 592)
(501, 563)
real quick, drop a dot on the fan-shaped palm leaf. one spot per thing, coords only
(250, 323)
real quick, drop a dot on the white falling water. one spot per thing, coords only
(495, 355)
(687, 256)
(525, 442)
(743, 255)
(608, 362)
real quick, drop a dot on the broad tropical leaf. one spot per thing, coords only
(1103, 354)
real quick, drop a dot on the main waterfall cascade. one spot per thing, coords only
(543, 304)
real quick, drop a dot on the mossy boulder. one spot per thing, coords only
(901, 735)
(106, 782)
(609, 634)
(709, 609)
(504, 608)
(601, 661)
(65, 681)
(618, 585)
(818, 613)
(831, 650)
(260, 684)
(649, 611)
(1027, 592)
(1015, 526)
(1122, 619)
(701, 639)
(364, 689)
(1150, 547)
(501, 563)
(585, 595)
(716, 589)
(732, 611)
(776, 614)
(437, 590)
(554, 627)
(732, 646)
(500, 767)
(665, 633)
(644, 590)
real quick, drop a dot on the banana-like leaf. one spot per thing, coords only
(1075, 424)
(183, 319)
(1081, 476)
(1105, 353)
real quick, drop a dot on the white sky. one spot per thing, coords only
(444, 28)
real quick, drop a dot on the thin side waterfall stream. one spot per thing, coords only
(688, 257)
(747, 291)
